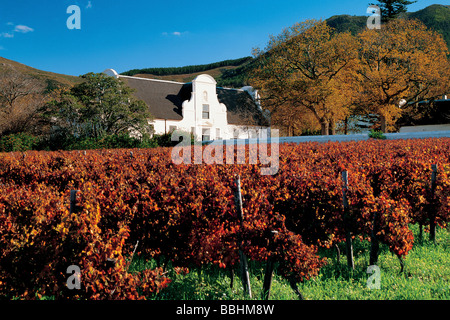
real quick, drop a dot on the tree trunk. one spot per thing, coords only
(383, 123)
(346, 126)
(289, 130)
(332, 128)
(324, 127)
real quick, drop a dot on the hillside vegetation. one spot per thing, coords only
(187, 69)
(436, 17)
(226, 73)
(23, 91)
(49, 79)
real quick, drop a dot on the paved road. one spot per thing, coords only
(351, 137)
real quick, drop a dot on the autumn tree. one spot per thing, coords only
(402, 60)
(304, 70)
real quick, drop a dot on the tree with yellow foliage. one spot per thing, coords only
(305, 70)
(402, 60)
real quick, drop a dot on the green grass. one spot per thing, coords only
(426, 277)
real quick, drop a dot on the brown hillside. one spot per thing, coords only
(49, 77)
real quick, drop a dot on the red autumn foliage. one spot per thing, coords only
(186, 213)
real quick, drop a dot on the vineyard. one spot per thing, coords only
(98, 209)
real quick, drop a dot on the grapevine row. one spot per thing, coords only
(185, 214)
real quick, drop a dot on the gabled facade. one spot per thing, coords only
(199, 107)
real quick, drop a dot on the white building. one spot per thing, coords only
(199, 107)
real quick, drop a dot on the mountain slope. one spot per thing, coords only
(436, 17)
(345, 22)
(226, 73)
(50, 80)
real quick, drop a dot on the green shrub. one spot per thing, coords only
(18, 142)
(119, 141)
(374, 134)
(161, 140)
(62, 141)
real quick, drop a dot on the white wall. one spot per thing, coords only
(437, 127)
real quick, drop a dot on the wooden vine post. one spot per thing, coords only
(348, 235)
(433, 207)
(269, 268)
(374, 243)
(73, 201)
(242, 258)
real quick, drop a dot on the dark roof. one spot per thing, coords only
(241, 108)
(165, 99)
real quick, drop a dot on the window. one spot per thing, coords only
(172, 128)
(205, 113)
(218, 134)
(206, 134)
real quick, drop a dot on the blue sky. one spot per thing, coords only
(124, 35)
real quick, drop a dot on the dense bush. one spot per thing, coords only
(377, 135)
(61, 141)
(17, 142)
(106, 142)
